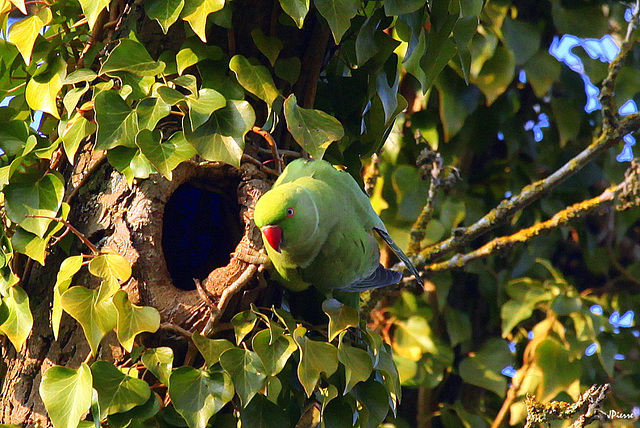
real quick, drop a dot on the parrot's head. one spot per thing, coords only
(287, 216)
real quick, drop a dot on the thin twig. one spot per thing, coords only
(419, 228)
(256, 162)
(561, 218)
(75, 231)
(274, 148)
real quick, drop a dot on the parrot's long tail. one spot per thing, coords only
(401, 255)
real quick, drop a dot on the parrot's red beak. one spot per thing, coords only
(273, 235)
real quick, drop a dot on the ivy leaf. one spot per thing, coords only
(315, 358)
(166, 155)
(414, 337)
(357, 365)
(13, 136)
(66, 394)
(313, 129)
(195, 12)
(132, 418)
(131, 56)
(273, 354)
(372, 396)
(211, 349)
(483, 368)
(296, 9)
(96, 317)
(117, 122)
(166, 12)
(263, 413)
(338, 14)
(30, 194)
(133, 319)
(159, 361)
(73, 132)
(389, 372)
(340, 316)
(130, 162)
(81, 75)
(525, 297)
(401, 7)
(42, 90)
(19, 321)
(560, 368)
(193, 51)
(108, 266)
(288, 69)
(255, 79)
(198, 395)
(149, 111)
(68, 268)
(221, 138)
(201, 106)
(246, 371)
(117, 392)
(243, 322)
(269, 46)
(24, 33)
(92, 9)
(169, 95)
(496, 74)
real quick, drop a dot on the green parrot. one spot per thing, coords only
(318, 227)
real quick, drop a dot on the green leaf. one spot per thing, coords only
(522, 38)
(338, 14)
(130, 162)
(195, 12)
(166, 12)
(188, 81)
(264, 414)
(313, 129)
(24, 33)
(357, 365)
(211, 349)
(583, 20)
(92, 9)
(193, 51)
(315, 358)
(496, 74)
(340, 316)
(75, 130)
(255, 79)
(542, 71)
(169, 95)
(96, 317)
(19, 321)
(42, 90)
(68, 268)
(288, 69)
(401, 7)
(13, 136)
(386, 366)
(221, 138)
(414, 337)
(483, 368)
(28, 194)
(165, 156)
(246, 371)
(198, 395)
(117, 122)
(463, 32)
(133, 418)
(66, 394)
(117, 392)
(296, 9)
(159, 361)
(132, 57)
(521, 308)
(273, 354)
(30, 245)
(201, 106)
(150, 111)
(269, 46)
(372, 396)
(133, 319)
(560, 369)
(108, 266)
(81, 75)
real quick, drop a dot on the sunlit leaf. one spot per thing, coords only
(296, 9)
(254, 78)
(96, 317)
(166, 12)
(338, 14)
(92, 9)
(340, 316)
(197, 395)
(110, 265)
(75, 130)
(166, 155)
(203, 104)
(195, 12)
(315, 358)
(357, 365)
(43, 89)
(274, 354)
(19, 321)
(150, 111)
(117, 122)
(132, 57)
(24, 33)
(313, 129)
(483, 368)
(117, 392)
(269, 46)
(246, 371)
(133, 319)
(559, 367)
(66, 394)
(193, 51)
(159, 361)
(68, 268)
(211, 349)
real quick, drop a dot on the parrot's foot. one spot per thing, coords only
(249, 255)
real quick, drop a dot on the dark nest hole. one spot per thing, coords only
(201, 228)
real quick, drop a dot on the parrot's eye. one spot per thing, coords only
(291, 212)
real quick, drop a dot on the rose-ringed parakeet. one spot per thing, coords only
(318, 228)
